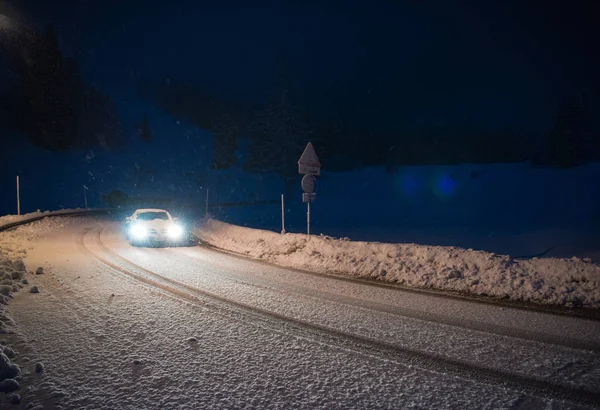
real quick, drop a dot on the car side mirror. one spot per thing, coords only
(175, 219)
(128, 219)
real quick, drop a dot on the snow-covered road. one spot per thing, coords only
(191, 327)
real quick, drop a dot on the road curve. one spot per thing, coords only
(252, 286)
(520, 356)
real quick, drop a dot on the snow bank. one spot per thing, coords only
(15, 218)
(7, 219)
(14, 243)
(13, 248)
(566, 282)
(11, 275)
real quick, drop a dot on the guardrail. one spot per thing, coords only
(66, 212)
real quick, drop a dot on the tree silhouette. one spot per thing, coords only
(50, 104)
(570, 142)
(225, 143)
(277, 136)
(144, 131)
(194, 104)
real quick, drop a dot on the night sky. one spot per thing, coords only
(378, 70)
(494, 66)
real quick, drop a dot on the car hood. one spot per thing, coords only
(158, 224)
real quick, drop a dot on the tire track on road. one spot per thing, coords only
(582, 313)
(396, 311)
(360, 345)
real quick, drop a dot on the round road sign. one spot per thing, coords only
(308, 184)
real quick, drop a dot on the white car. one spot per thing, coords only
(153, 226)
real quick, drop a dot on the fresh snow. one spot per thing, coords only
(566, 282)
(15, 243)
(8, 219)
(15, 218)
(13, 248)
(133, 346)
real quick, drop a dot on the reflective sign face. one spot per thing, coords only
(305, 169)
(308, 184)
(309, 161)
(309, 157)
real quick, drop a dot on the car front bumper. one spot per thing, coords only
(158, 239)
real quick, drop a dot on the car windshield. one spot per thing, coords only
(150, 216)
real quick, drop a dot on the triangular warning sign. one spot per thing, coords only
(309, 157)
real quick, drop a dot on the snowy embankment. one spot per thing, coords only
(16, 218)
(565, 282)
(13, 278)
(9, 219)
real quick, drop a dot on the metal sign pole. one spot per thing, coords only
(206, 202)
(282, 216)
(308, 218)
(18, 198)
(310, 166)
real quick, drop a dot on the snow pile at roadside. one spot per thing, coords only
(13, 248)
(567, 282)
(14, 243)
(12, 272)
(14, 218)
(6, 219)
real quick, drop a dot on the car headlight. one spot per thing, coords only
(138, 231)
(175, 231)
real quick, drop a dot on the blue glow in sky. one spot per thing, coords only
(445, 186)
(409, 185)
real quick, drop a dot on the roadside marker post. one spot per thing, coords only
(85, 196)
(308, 218)
(206, 212)
(282, 215)
(18, 198)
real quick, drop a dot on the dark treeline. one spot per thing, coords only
(278, 131)
(46, 99)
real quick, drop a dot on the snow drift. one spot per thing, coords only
(566, 282)
(13, 248)
(12, 271)
(6, 219)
